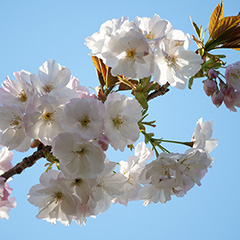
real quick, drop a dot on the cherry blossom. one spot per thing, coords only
(12, 129)
(153, 28)
(121, 120)
(78, 158)
(85, 117)
(54, 198)
(173, 62)
(202, 136)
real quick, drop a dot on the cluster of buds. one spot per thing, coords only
(228, 92)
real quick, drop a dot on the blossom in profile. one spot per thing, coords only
(121, 120)
(131, 169)
(109, 186)
(96, 42)
(6, 202)
(202, 136)
(13, 134)
(173, 62)
(153, 28)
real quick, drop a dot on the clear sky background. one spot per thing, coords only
(31, 32)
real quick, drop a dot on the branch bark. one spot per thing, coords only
(159, 92)
(27, 162)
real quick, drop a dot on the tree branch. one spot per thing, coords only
(159, 92)
(27, 162)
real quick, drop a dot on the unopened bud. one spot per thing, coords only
(103, 142)
(35, 143)
(217, 98)
(226, 89)
(209, 87)
(212, 74)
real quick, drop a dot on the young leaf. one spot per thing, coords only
(110, 79)
(101, 69)
(215, 17)
(225, 24)
(196, 28)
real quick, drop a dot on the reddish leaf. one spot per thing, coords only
(215, 17)
(224, 24)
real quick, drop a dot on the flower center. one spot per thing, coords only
(130, 53)
(118, 121)
(48, 88)
(15, 121)
(81, 152)
(171, 60)
(22, 96)
(58, 196)
(150, 36)
(48, 117)
(77, 182)
(179, 43)
(84, 121)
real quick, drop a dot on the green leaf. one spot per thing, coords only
(196, 28)
(141, 99)
(190, 82)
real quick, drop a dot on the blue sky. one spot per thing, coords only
(34, 31)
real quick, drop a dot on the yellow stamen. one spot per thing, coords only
(84, 121)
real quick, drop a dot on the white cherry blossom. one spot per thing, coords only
(131, 169)
(121, 120)
(12, 129)
(109, 186)
(128, 53)
(107, 29)
(153, 28)
(54, 198)
(17, 93)
(173, 62)
(202, 136)
(78, 158)
(85, 117)
(6, 202)
(42, 119)
(52, 80)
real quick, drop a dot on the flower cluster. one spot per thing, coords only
(145, 47)
(53, 109)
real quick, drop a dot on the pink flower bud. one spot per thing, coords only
(217, 98)
(209, 87)
(212, 74)
(103, 142)
(229, 98)
(226, 89)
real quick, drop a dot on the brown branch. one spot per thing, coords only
(27, 162)
(159, 92)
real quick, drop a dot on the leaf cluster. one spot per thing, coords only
(223, 32)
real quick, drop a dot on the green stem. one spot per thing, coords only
(190, 144)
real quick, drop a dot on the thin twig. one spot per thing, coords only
(159, 92)
(27, 162)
